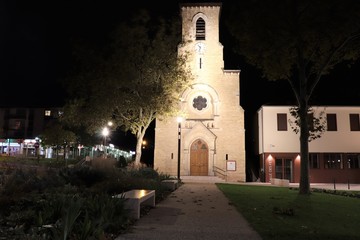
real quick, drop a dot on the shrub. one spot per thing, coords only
(82, 176)
(121, 163)
(143, 172)
(73, 203)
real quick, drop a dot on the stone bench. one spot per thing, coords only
(134, 199)
(170, 184)
(280, 182)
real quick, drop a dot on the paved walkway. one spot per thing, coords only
(196, 210)
(328, 186)
(199, 210)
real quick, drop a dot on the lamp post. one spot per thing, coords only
(105, 133)
(179, 119)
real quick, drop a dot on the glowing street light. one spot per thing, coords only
(105, 133)
(179, 120)
(144, 144)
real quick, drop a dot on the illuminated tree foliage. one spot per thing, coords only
(56, 136)
(132, 80)
(298, 41)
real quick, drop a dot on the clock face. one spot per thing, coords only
(200, 47)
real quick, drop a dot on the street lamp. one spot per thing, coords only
(105, 133)
(179, 119)
(143, 144)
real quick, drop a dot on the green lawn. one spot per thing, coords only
(281, 213)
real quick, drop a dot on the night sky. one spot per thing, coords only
(35, 54)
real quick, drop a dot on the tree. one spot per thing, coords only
(56, 136)
(298, 41)
(316, 120)
(132, 80)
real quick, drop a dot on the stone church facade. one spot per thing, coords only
(210, 139)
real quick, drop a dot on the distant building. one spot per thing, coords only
(335, 157)
(19, 127)
(212, 135)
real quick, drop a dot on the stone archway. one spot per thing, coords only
(199, 155)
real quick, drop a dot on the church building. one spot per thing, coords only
(210, 138)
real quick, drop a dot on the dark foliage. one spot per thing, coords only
(71, 203)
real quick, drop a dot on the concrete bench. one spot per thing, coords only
(170, 184)
(280, 182)
(134, 199)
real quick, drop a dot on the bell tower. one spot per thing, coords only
(210, 139)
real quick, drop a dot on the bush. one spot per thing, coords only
(82, 176)
(121, 163)
(143, 172)
(76, 203)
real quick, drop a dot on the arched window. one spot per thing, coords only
(200, 29)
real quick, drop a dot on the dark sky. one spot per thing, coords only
(35, 43)
(35, 53)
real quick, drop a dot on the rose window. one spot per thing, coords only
(199, 103)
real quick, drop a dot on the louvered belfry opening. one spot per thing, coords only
(200, 29)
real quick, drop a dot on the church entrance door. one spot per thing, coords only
(199, 156)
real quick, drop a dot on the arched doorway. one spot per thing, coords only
(199, 155)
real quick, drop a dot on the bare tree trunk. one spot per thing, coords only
(139, 139)
(138, 151)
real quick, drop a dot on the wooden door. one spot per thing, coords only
(199, 156)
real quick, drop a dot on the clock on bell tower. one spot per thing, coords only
(200, 47)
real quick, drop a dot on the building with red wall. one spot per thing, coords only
(334, 157)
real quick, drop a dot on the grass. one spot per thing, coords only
(281, 213)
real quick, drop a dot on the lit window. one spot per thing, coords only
(333, 160)
(47, 113)
(353, 160)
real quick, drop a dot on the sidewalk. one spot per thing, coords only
(196, 211)
(327, 186)
(199, 210)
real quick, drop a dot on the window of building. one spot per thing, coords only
(353, 160)
(333, 161)
(15, 124)
(47, 113)
(354, 122)
(314, 160)
(282, 121)
(284, 168)
(331, 122)
(200, 29)
(310, 119)
(199, 103)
